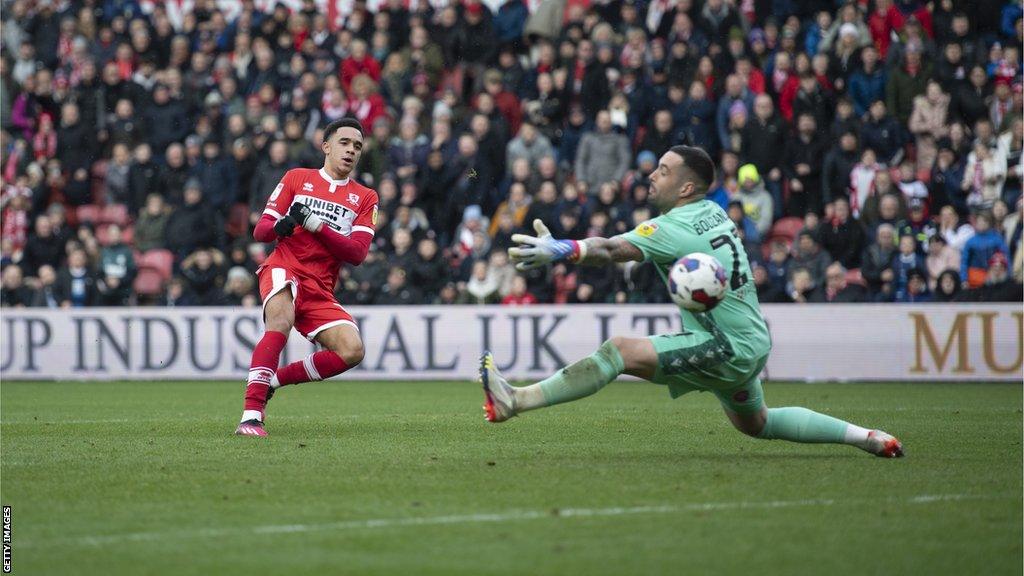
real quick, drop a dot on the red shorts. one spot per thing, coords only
(316, 309)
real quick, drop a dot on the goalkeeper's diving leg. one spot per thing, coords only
(638, 357)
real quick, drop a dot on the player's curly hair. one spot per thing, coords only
(342, 123)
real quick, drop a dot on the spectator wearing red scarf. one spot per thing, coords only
(16, 202)
(44, 142)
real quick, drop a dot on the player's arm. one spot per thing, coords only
(351, 249)
(601, 251)
(537, 251)
(274, 225)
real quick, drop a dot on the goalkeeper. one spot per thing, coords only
(722, 351)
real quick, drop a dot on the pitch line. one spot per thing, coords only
(513, 516)
(173, 420)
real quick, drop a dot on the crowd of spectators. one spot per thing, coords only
(867, 151)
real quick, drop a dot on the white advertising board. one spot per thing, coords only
(810, 342)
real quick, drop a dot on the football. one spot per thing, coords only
(697, 282)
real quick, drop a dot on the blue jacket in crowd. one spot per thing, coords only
(979, 249)
(866, 88)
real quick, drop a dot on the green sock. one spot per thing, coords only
(584, 377)
(802, 425)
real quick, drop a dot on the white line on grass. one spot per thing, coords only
(176, 420)
(512, 516)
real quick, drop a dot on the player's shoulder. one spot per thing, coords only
(301, 174)
(362, 190)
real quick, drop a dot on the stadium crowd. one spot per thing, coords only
(867, 151)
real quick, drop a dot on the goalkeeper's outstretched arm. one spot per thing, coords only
(602, 251)
(540, 250)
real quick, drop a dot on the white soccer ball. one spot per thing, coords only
(697, 282)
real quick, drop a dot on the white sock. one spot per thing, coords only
(856, 436)
(529, 398)
(252, 415)
(274, 383)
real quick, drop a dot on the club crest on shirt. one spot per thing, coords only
(353, 199)
(646, 229)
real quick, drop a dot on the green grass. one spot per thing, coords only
(145, 478)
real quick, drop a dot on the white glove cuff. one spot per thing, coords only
(313, 223)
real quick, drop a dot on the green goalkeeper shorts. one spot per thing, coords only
(705, 362)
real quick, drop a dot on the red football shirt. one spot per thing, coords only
(344, 205)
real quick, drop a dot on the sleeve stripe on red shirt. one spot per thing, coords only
(272, 213)
(366, 229)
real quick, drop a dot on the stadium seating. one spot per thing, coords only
(854, 277)
(155, 269)
(88, 213)
(160, 260)
(148, 282)
(115, 214)
(238, 220)
(103, 234)
(787, 227)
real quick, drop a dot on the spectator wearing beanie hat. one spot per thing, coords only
(735, 130)
(735, 93)
(757, 202)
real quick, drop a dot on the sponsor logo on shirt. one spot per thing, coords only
(646, 229)
(307, 187)
(277, 191)
(334, 214)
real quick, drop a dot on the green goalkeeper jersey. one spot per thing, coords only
(704, 227)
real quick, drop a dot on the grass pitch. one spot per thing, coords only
(407, 478)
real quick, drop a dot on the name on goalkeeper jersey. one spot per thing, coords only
(706, 224)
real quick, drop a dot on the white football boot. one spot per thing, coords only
(884, 445)
(500, 403)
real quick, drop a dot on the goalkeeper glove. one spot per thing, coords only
(534, 252)
(305, 217)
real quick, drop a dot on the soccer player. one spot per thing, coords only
(321, 219)
(722, 351)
